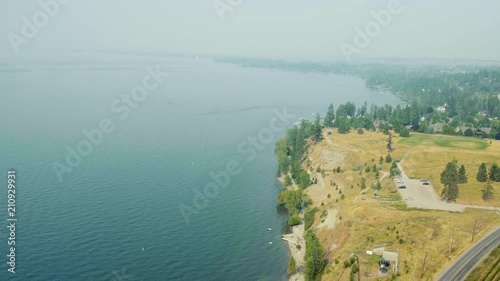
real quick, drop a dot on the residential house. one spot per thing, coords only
(462, 129)
(438, 127)
(377, 124)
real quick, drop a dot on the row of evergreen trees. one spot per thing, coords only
(493, 175)
(452, 176)
(347, 116)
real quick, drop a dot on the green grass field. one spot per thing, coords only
(446, 141)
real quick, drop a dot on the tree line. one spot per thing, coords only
(468, 93)
(452, 176)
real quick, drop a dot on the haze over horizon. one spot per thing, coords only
(284, 29)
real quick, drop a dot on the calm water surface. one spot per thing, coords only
(116, 215)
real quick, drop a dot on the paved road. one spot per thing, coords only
(459, 270)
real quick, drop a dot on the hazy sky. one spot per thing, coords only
(269, 28)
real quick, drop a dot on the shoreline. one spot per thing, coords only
(292, 240)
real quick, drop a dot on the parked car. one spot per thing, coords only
(424, 182)
(409, 198)
(385, 263)
(402, 187)
(400, 181)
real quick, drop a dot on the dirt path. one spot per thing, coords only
(329, 140)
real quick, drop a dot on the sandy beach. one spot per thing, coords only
(293, 239)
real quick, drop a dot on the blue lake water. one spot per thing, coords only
(116, 215)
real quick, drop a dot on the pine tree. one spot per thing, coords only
(381, 160)
(330, 115)
(317, 129)
(462, 175)
(449, 177)
(450, 174)
(495, 172)
(300, 144)
(363, 183)
(388, 158)
(488, 191)
(450, 191)
(482, 174)
(343, 125)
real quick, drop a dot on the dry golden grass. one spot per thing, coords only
(376, 222)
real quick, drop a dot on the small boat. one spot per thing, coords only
(143, 248)
(270, 243)
(269, 229)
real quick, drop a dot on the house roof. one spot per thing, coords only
(390, 256)
(486, 130)
(437, 127)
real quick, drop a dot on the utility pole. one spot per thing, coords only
(473, 231)
(423, 265)
(451, 241)
(451, 246)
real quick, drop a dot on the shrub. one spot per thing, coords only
(404, 132)
(294, 220)
(292, 267)
(309, 218)
(357, 167)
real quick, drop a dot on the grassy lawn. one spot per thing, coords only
(446, 141)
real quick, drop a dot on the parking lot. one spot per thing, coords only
(423, 196)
